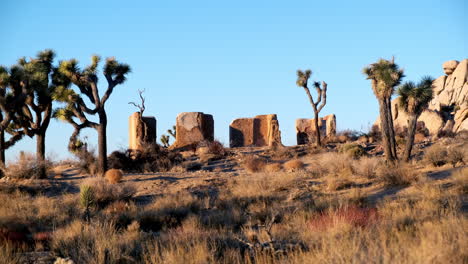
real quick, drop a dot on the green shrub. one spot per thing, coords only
(353, 150)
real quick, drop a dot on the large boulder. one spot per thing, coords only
(193, 127)
(305, 128)
(139, 135)
(259, 131)
(448, 110)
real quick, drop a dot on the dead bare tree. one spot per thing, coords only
(142, 127)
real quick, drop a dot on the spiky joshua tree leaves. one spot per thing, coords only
(414, 99)
(76, 112)
(385, 75)
(317, 106)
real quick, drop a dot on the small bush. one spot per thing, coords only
(113, 176)
(27, 167)
(87, 161)
(151, 158)
(253, 164)
(353, 150)
(367, 167)
(436, 155)
(456, 155)
(398, 175)
(273, 167)
(460, 178)
(293, 165)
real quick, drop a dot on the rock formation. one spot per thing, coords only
(448, 110)
(259, 131)
(193, 127)
(138, 135)
(305, 128)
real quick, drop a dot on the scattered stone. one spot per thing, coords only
(259, 131)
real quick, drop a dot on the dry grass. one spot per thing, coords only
(253, 164)
(436, 155)
(273, 217)
(293, 165)
(105, 193)
(113, 176)
(27, 167)
(273, 167)
(398, 175)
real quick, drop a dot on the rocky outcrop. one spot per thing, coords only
(259, 131)
(139, 135)
(193, 127)
(448, 110)
(305, 128)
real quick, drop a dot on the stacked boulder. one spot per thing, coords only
(305, 128)
(259, 131)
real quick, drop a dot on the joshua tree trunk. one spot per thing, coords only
(391, 128)
(410, 137)
(102, 142)
(2, 148)
(317, 130)
(386, 135)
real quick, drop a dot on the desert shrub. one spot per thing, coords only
(27, 167)
(460, 179)
(398, 175)
(350, 215)
(87, 160)
(151, 158)
(353, 150)
(97, 242)
(293, 165)
(216, 148)
(273, 167)
(252, 163)
(113, 176)
(105, 193)
(338, 183)
(456, 155)
(436, 155)
(367, 166)
(335, 163)
(349, 134)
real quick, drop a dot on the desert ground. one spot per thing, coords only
(296, 204)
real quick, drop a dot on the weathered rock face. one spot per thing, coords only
(305, 128)
(448, 110)
(137, 134)
(262, 130)
(193, 127)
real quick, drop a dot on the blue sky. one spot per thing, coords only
(235, 58)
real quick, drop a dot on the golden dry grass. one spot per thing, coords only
(293, 165)
(253, 164)
(273, 167)
(113, 176)
(319, 215)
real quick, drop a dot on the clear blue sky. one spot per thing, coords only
(235, 58)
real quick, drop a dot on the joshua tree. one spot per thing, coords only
(13, 95)
(76, 110)
(172, 132)
(165, 140)
(40, 79)
(302, 81)
(385, 75)
(414, 99)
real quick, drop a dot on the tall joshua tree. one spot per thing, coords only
(385, 75)
(76, 111)
(302, 81)
(414, 99)
(13, 95)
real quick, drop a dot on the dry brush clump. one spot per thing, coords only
(27, 167)
(399, 175)
(353, 150)
(273, 167)
(113, 176)
(253, 163)
(436, 155)
(105, 193)
(293, 165)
